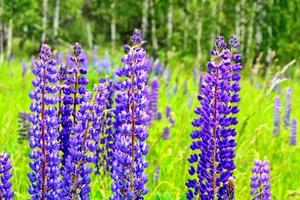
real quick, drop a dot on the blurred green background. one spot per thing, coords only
(182, 29)
(180, 33)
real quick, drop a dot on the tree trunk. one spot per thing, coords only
(153, 26)
(45, 20)
(250, 31)
(89, 33)
(1, 32)
(113, 25)
(56, 19)
(243, 24)
(9, 39)
(186, 25)
(170, 24)
(145, 17)
(198, 40)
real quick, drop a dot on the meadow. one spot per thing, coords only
(167, 158)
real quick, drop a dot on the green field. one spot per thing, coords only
(254, 139)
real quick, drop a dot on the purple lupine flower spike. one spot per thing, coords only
(158, 115)
(103, 122)
(131, 119)
(195, 74)
(45, 162)
(276, 129)
(6, 192)
(287, 108)
(154, 93)
(185, 87)
(24, 68)
(76, 135)
(24, 126)
(166, 133)
(260, 180)
(293, 136)
(169, 115)
(212, 169)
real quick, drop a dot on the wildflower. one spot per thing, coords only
(276, 130)
(45, 161)
(287, 108)
(131, 119)
(293, 137)
(215, 138)
(6, 192)
(260, 180)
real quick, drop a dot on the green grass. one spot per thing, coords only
(254, 138)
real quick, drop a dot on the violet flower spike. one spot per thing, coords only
(287, 108)
(260, 180)
(276, 129)
(154, 95)
(77, 115)
(44, 178)
(213, 146)
(6, 192)
(131, 119)
(293, 136)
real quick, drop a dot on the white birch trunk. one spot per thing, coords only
(89, 33)
(145, 17)
(113, 26)
(9, 38)
(170, 23)
(186, 26)
(1, 32)
(250, 31)
(153, 26)
(56, 19)
(198, 40)
(45, 20)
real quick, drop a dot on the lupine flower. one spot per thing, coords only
(153, 97)
(260, 180)
(59, 58)
(24, 68)
(158, 68)
(131, 119)
(95, 57)
(195, 74)
(149, 65)
(167, 75)
(287, 108)
(175, 89)
(185, 87)
(73, 75)
(158, 115)
(214, 141)
(169, 115)
(166, 133)
(293, 137)
(24, 126)
(45, 161)
(276, 130)
(76, 134)
(6, 192)
(32, 59)
(104, 113)
(156, 173)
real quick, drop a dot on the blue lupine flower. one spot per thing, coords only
(293, 136)
(276, 130)
(45, 161)
(214, 143)
(260, 180)
(131, 119)
(76, 135)
(102, 123)
(287, 108)
(153, 97)
(6, 192)
(166, 133)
